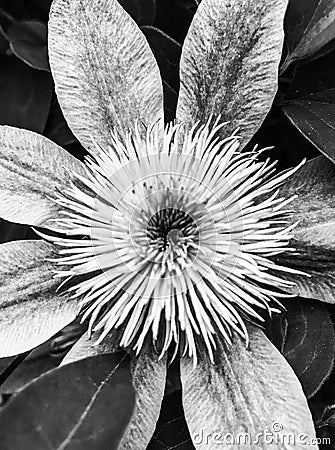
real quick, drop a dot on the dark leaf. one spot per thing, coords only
(31, 368)
(310, 104)
(167, 52)
(325, 50)
(277, 331)
(173, 382)
(14, 231)
(173, 19)
(171, 430)
(148, 377)
(308, 343)
(3, 41)
(11, 365)
(28, 41)
(325, 423)
(287, 144)
(56, 127)
(42, 359)
(27, 9)
(309, 26)
(4, 398)
(25, 95)
(316, 121)
(37, 9)
(83, 405)
(143, 12)
(7, 11)
(328, 416)
(189, 4)
(170, 102)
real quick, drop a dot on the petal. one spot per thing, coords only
(246, 392)
(148, 376)
(30, 310)
(105, 74)
(314, 237)
(229, 63)
(31, 168)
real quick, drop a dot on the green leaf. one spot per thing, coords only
(83, 405)
(106, 76)
(28, 41)
(246, 391)
(30, 309)
(309, 26)
(148, 377)
(314, 236)
(31, 169)
(229, 63)
(25, 95)
(308, 343)
(143, 12)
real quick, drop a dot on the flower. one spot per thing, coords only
(177, 241)
(153, 211)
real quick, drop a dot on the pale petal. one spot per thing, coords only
(105, 74)
(148, 377)
(230, 61)
(86, 347)
(30, 309)
(246, 391)
(31, 169)
(314, 237)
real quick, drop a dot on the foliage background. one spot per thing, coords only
(301, 124)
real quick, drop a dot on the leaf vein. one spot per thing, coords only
(83, 416)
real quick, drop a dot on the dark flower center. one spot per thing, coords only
(171, 226)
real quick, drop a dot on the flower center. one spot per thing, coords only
(171, 227)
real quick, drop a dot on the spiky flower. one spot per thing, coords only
(177, 241)
(170, 237)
